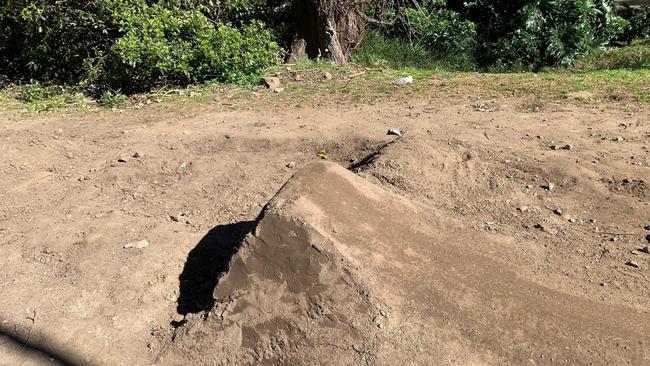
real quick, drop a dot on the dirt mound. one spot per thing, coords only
(290, 294)
(343, 271)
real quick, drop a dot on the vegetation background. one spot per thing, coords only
(108, 48)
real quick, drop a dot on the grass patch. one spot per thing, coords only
(37, 97)
(379, 51)
(308, 65)
(603, 85)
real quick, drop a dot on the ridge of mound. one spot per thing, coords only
(339, 271)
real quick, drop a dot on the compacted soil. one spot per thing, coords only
(517, 235)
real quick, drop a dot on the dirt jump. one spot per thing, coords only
(339, 271)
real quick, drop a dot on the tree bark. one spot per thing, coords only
(330, 28)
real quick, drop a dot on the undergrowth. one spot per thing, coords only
(615, 74)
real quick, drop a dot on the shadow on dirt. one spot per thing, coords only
(205, 263)
(36, 348)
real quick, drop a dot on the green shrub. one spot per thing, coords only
(162, 45)
(48, 40)
(541, 32)
(130, 45)
(634, 56)
(433, 33)
(509, 35)
(439, 30)
(638, 20)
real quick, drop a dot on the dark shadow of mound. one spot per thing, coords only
(205, 263)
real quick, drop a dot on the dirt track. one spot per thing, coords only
(73, 195)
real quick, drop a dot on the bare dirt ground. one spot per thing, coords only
(80, 193)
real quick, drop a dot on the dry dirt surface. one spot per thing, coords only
(488, 234)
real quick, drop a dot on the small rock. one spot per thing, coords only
(647, 227)
(278, 90)
(137, 155)
(404, 81)
(645, 250)
(227, 137)
(558, 211)
(549, 186)
(394, 132)
(618, 139)
(632, 264)
(272, 82)
(173, 218)
(553, 147)
(523, 208)
(137, 245)
(120, 160)
(291, 165)
(567, 147)
(328, 76)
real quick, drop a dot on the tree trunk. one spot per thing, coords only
(329, 28)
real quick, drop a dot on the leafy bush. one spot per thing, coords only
(505, 34)
(49, 40)
(182, 47)
(541, 32)
(128, 44)
(439, 30)
(638, 20)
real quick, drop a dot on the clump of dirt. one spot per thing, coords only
(633, 187)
